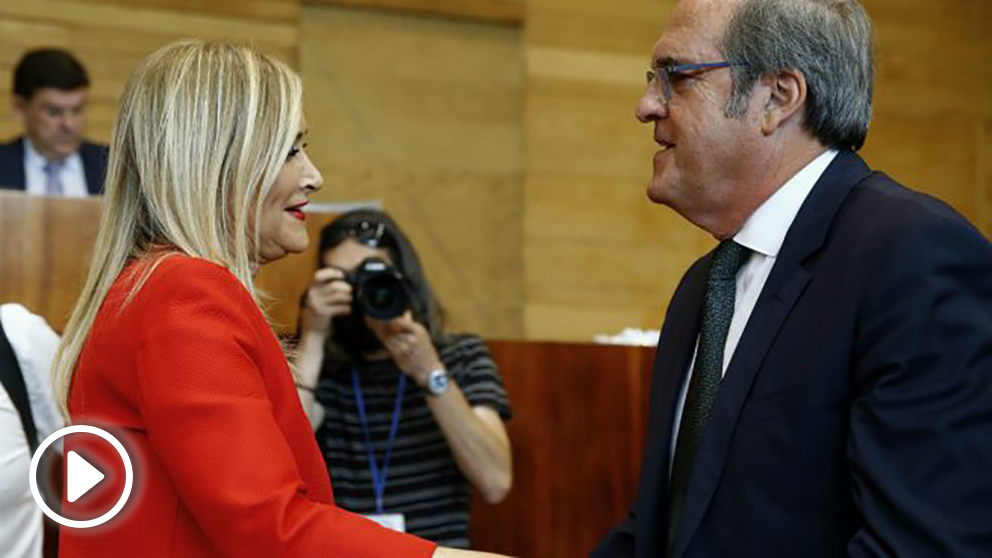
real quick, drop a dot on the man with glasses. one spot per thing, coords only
(823, 383)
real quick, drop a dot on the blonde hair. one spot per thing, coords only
(202, 133)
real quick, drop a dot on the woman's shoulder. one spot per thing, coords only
(178, 275)
(175, 286)
(461, 340)
(174, 294)
(177, 267)
(462, 348)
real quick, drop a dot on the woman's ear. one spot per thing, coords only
(786, 100)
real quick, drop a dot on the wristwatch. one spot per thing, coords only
(437, 382)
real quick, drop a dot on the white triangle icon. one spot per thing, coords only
(81, 476)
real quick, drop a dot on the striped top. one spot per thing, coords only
(424, 481)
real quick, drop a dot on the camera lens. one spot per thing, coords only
(380, 291)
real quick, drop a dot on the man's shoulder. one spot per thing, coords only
(13, 145)
(88, 149)
(881, 206)
(12, 164)
(889, 231)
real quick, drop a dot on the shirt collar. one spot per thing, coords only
(34, 158)
(765, 230)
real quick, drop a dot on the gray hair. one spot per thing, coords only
(828, 41)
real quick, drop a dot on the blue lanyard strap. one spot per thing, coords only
(379, 476)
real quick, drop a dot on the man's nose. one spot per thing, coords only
(70, 121)
(651, 106)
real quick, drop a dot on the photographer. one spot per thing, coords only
(406, 415)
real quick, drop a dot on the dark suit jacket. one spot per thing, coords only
(855, 417)
(12, 176)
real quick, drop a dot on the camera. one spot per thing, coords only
(380, 290)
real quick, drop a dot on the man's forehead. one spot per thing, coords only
(694, 31)
(51, 97)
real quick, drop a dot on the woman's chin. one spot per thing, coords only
(277, 251)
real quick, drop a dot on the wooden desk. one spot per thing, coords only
(580, 415)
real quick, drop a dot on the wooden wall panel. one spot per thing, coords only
(426, 116)
(44, 252)
(598, 255)
(111, 36)
(938, 154)
(588, 160)
(580, 413)
(263, 10)
(509, 12)
(984, 173)
(591, 28)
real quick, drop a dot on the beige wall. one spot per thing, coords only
(425, 115)
(598, 256)
(511, 152)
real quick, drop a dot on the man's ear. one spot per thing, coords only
(20, 105)
(786, 100)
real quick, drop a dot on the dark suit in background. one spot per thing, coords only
(12, 176)
(855, 417)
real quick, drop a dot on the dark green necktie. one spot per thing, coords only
(707, 372)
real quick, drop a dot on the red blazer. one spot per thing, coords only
(191, 379)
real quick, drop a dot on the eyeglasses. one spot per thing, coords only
(369, 233)
(669, 76)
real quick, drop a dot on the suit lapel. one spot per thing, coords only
(675, 345)
(783, 288)
(12, 165)
(94, 159)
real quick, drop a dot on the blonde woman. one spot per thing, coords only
(167, 346)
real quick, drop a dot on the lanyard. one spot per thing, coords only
(379, 476)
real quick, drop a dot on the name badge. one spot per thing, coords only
(394, 521)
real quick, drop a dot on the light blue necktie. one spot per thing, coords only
(53, 176)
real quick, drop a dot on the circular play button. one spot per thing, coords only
(81, 476)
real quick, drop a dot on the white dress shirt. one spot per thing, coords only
(763, 233)
(72, 174)
(34, 345)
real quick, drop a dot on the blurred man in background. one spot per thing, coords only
(50, 92)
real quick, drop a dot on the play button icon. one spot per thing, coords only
(80, 476)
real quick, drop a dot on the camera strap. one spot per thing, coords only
(379, 475)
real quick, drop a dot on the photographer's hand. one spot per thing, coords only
(409, 344)
(329, 295)
(476, 435)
